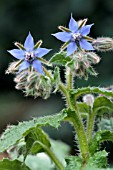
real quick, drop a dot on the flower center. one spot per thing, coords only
(29, 56)
(76, 36)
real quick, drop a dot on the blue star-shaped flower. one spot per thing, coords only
(75, 37)
(29, 56)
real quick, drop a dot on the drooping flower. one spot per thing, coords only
(29, 55)
(75, 36)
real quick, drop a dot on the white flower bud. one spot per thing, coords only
(88, 99)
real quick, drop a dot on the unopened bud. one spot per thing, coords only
(93, 57)
(13, 67)
(76, 65)
(32, 76)
(87, 64)
(20, 86)
(88, 99)
(21, 77)
(103, 44)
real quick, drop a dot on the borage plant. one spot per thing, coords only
(27, 142)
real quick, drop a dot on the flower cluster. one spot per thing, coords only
(34, 84)
(81, 64)
(29, 71)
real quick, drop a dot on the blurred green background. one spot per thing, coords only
(41, 18)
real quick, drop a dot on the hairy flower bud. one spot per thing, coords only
(88, 99)
(81, 64)
(93, 57)
(34, 84)
(103, 44)
(21, 77)
(13, 67)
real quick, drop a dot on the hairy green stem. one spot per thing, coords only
(84, 149)
(75, 119)
(90, 125)
(52, 156)
(69, 78)
(62, 87)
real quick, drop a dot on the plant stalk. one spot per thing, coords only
(52, 156)
(75, 118)
(90, 126)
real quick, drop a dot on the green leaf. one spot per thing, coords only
(106, 124)
(91, 71)
(100, 137)
(31, 139)
(73, 163)
(56, 78)
(101, 105)
(70, 64)
(85, 90)
(7, 164)
(60, 58)
(83, 109)
(15, 133)
(99, 159)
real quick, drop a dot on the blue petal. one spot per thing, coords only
(63, 36)
(29, 43)
(73, 26)
(72, 47)
(19, 54)
(86, 45)
(85, 30)
(39, 52)
(24, 65)
(38, 66)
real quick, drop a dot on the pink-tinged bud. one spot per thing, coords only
(88, 99)
(93, 57)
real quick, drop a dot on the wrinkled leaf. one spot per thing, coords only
(106, 124)
(83, 109)
(7, 164)
(100, 137)
(73, 163)
(60, 59)
(31, 139)
(85, 90)
(101, 105)
(99, 159)
(15, 133)
(56, 78)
